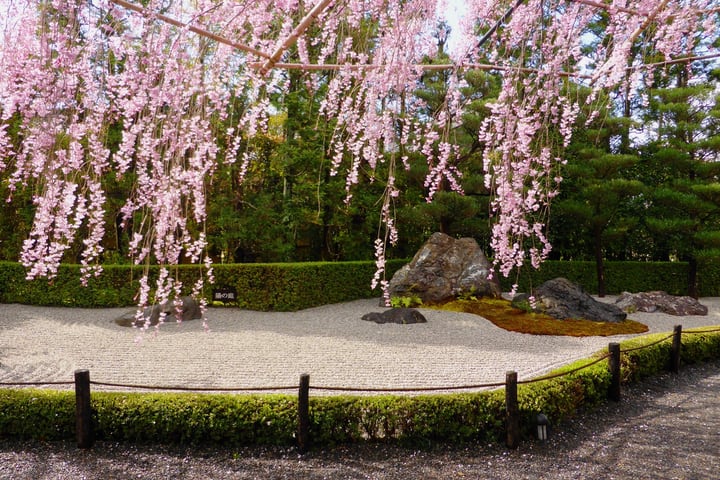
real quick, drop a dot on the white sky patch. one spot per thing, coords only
(453, 12)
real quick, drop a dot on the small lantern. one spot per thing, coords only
(543, 425)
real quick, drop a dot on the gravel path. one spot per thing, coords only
(262, 349)
(667, 427)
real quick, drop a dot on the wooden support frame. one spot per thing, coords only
(295, 34)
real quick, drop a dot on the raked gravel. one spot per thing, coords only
(269, 349)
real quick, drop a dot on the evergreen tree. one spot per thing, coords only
(593, 208)
(452, 213)
(685, 206)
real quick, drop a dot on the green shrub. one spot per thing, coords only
(264, 287)
(418, 421)
(195, 418)
(295, 286)
(559, 398)
(639, 363)
(619, 276)
(39, 414)
(699, 347)
(414, 421)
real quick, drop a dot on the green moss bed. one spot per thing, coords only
(502, 314)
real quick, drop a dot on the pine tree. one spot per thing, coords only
(685, 206)
(593, 207)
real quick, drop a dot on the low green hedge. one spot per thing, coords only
(671, 277)
(195, 418)
(559, 398)
(295, 286)
(619, 277)
(272, 419)
(645, 362)
(264, 287)
(38, 414)
(417, 421)
(241, 420)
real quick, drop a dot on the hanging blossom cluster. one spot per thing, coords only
(530, 124)
(538, 49)
(163, 77)
(41, 79)
(73, 73)
(377, 117)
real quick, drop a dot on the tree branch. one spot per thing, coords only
(292, 38)
(199, 31)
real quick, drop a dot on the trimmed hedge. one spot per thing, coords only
(38, 414)
(295, 286)
(417, 421)
(116, 287)
(696, 347)
(671, 277)
(264, 287)
(194, 419)
(424, 420)
(619, 277)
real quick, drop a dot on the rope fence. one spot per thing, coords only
(84, 416)
(196, 389)
(34, 384)
(649, 345)
(410, 389)
(562, 374)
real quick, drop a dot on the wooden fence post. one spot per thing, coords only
(83, 413)
(303, 438)
(614, 391)
(675, 352)
(512, 425)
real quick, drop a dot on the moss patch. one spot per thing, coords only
(501, 313)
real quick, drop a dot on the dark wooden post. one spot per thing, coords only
(303, 438)
(675, 352)
(83, 414)
(614, 392)
(512, 425)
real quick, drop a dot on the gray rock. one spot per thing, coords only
(443, 269)
(660, 301)
(563, 299)
(189, 310)
(402, 316)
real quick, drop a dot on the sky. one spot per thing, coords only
(455, 10)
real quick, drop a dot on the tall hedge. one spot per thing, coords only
(264, 287)
(295, 286)
(620, 277)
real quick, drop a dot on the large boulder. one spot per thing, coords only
(659, 301)
(562, 299)
(185, 309)
(444, 268)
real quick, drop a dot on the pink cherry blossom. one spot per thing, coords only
(160, 71)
